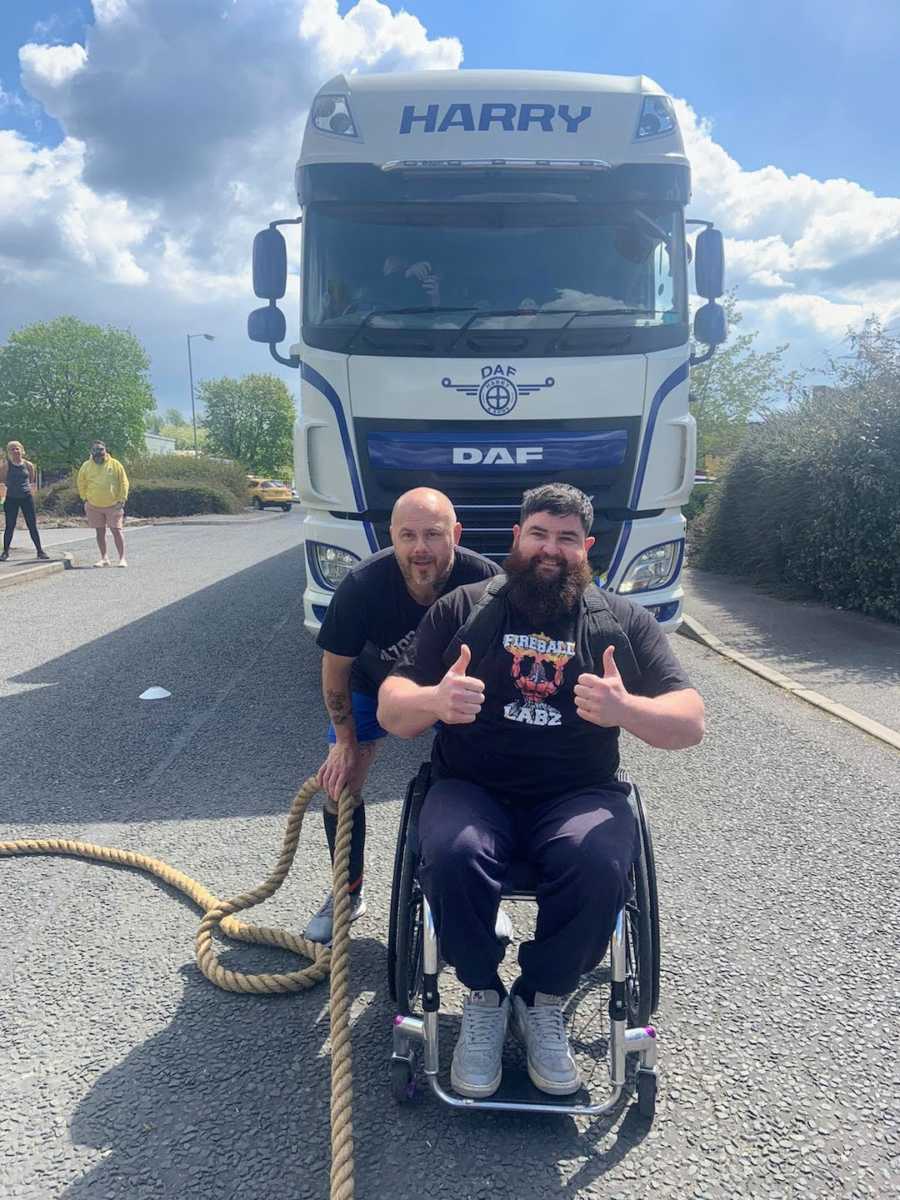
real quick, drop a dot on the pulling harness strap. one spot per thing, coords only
(596, 629)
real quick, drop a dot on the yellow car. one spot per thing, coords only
(265, 492)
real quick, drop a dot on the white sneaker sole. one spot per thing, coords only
(475, 1091)
(552, 1088)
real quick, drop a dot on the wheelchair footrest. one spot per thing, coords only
(516, 1088)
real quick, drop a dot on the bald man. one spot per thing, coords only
(369, 624)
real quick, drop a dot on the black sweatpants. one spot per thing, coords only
(12, 506)
(582, 844)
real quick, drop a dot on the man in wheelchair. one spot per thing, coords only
(531, 676)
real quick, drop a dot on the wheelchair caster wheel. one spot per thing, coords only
(403, 1082)
(646, 1092)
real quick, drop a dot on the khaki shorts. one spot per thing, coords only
(112, 517)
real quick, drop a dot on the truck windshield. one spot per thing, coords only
(516, 266)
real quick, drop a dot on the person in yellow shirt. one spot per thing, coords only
(103, 486)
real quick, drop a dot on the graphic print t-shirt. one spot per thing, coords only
(528, 742)
(372, 617)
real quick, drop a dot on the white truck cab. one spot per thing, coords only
(494, 289)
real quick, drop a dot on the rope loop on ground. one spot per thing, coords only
(219, 915)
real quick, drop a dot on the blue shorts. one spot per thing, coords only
(364, 710)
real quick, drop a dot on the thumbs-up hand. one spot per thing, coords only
(602, 700)
(459, 696)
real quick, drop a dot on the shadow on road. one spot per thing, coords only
(231, 1099)
(804, 635)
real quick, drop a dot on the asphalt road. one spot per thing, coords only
(126, 1074)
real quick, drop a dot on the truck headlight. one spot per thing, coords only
(329, 564)
(653, 568)
(657, 117)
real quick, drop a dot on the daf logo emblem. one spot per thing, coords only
(497, 393)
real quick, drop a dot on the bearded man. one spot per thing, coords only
(532, 677)
(370, 622)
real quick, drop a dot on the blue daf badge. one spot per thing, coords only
(498, 393)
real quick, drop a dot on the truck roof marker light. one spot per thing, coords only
(331, 114)
(657, 118)
(488, 164)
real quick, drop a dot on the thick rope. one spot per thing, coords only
(219, 914)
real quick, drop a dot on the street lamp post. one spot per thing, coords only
(209, 337)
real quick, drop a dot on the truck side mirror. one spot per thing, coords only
(711, 324)
(267, 325)
(709, 265)
(269, 265)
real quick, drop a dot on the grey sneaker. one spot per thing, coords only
(321, 926)
(477, 1066)
(551, 1066)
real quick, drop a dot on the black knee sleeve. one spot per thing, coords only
(357, 842)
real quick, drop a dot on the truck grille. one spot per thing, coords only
(488, 530)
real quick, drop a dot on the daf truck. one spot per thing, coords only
(495, 288)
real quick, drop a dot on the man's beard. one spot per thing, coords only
(437, 573)
(545, 599)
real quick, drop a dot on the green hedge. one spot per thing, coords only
(697, 502)
(811, 502)
(60, 500)
(168, 468)
(165, 498)
(177, 499)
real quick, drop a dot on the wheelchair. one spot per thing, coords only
(414, 966)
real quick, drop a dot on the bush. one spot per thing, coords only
(60, 499)
(697, 502)
(170, 498)
(169, 468)
(811, 501)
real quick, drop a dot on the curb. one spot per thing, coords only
(30, 574)
(691, 628)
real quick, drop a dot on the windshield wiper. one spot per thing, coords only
(539, 312)
(399, 312)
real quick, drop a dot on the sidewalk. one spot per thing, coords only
(852, 659)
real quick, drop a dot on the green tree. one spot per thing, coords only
(737, 386)
(64, 383)
(174, 416)
(250, 420)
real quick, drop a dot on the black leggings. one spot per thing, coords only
(12, 507)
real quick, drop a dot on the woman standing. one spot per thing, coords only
(18, 476)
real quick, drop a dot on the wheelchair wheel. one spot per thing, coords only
(639, 946)
(408, 968)
(653, 896)
(405, 928)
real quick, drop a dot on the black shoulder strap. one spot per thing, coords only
(480, 627)
(597, 629)
(601, 629)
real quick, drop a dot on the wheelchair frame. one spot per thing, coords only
(414, 967)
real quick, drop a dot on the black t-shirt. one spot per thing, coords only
(528, 742)
(372, 618)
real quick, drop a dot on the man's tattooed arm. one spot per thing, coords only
(339, 706)
(336, 694)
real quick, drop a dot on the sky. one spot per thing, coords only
(143, 142)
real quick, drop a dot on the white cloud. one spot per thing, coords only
(144, 214)
(371, 34)
(182, 124)
(809, 257)
(50, 65)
